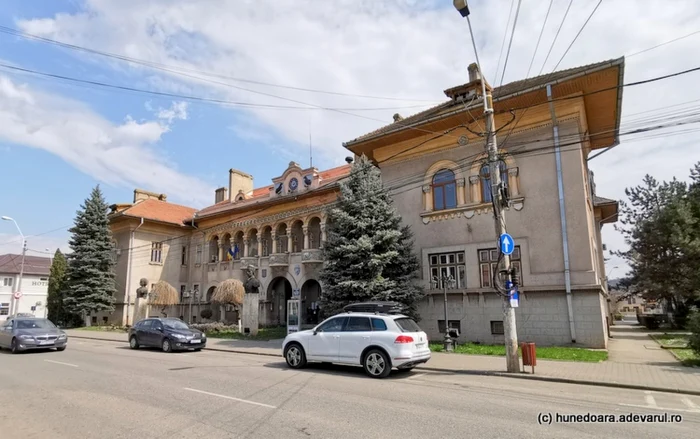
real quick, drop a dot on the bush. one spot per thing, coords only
(206, 313)
(618, 316)
(694, 327)
(214, 327)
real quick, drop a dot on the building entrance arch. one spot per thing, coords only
(279, 291)
(310, 301)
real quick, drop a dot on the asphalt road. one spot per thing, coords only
(100, 389)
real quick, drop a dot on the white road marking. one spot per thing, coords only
(231, 398)
(58, 362)
(691, 405)
(660, 408)
(651, 402)
(415, 377)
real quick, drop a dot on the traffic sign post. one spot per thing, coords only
(17, 295)
(506, 243)
(514, 298)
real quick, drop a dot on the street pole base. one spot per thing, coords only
(448, 345)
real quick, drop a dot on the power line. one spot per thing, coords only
(577, 35)
(663, 44)
(556, 36)
(544, 24)
(503, 43)
(174, 69)
(181, 96)
(512, 34)
(12, 241)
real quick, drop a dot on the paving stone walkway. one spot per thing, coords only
(635, 361)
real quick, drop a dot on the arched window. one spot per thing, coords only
(485, 175)
(444, 190)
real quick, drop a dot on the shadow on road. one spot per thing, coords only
(336, 369)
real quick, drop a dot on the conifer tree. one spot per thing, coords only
(91, 280)
(57, 287)
(368, 252)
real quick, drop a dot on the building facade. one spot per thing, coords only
(34, 289)
(435, 165)
(277, 228)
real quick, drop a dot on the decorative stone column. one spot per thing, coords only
(221, 252)
(513, 182)
(260, 245)
(289, 240)
(273, 236)
(460, 192)
(475, 189)
(305, 230)
(246, 244)
(323, 235)
(427, 198)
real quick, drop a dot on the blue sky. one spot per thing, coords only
(58, 139)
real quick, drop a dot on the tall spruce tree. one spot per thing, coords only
(91, 280)
(57, 287)
(368, 252)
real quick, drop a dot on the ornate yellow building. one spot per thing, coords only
(279, 228)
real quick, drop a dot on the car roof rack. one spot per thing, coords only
(375, 307)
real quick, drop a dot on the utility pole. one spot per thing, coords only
(21, 275)
(499, 201)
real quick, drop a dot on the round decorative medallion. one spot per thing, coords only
(463, 140)
(293, 184)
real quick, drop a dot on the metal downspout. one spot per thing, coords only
(128, 272)
(562, 215)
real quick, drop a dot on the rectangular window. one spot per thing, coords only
(183, 256)
(497, 327)
(157, 252)
(488, 265)
(7, 282)
(4, 309)
(195, 287)
(407, 325)
(378, 325)
(447, 269)
(182, 292)
(198, 255)
(454, 324)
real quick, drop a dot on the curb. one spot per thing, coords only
(235, 351)
(523, 376)
(526, 376)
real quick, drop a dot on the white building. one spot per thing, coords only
(35, 285)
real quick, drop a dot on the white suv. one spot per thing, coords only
(378, 342)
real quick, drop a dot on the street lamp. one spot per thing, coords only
(446, 282)
(15, 301)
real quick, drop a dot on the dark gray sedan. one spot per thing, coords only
(25, 333)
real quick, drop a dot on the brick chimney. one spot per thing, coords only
(473, 72)
(239, 182)
(220, 195)
(140, 195)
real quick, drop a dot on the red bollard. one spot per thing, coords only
(529, 355)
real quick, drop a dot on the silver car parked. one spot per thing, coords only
(19, 333)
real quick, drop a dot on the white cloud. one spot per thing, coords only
(400, 48)
(178, 110)
(123, 154)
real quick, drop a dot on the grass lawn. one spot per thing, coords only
(543, 353)
(264, 334)
(103, 328)
(677, 343)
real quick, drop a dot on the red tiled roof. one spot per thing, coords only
(156, 210)
(327, 177)
(11, 264)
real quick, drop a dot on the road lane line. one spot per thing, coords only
(666, 409)
(651, 402)
(231, 398)
(691, 405)
(58, 362)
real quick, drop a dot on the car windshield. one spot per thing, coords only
(407, 325)
(35, 324)
(175, 324)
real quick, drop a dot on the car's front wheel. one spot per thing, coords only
(167, 346)
(14, 346)
(133, 342)
(376, 364)
(295, 356)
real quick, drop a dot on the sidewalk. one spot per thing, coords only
(630, 365)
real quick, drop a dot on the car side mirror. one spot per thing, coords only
(315, 331)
